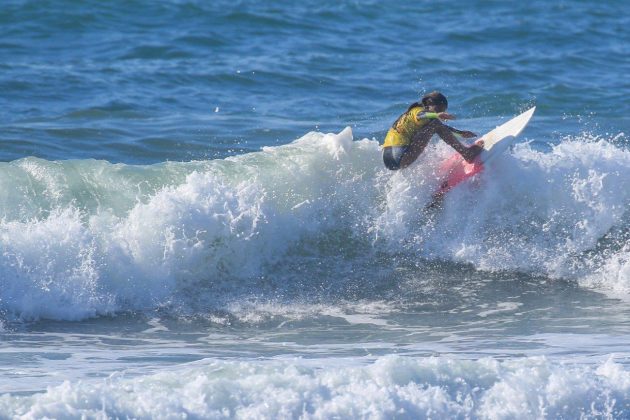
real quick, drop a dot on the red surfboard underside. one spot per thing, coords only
(455, 170)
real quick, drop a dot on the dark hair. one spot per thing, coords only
(436, 99)
(433, 98)
(413, 105)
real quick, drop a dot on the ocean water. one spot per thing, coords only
(195, 221)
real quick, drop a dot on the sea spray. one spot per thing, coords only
(533, 210)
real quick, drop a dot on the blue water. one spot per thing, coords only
(188, 228)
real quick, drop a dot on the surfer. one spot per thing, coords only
(411, 132)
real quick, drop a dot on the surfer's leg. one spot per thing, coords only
(417, 145)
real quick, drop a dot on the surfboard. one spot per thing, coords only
(455, 169)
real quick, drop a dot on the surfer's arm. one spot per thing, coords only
(425, 115)
(435, 115)
(462, 133)
(445, 132)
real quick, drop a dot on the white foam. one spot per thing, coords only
(501, 307)
(537, 212)
(87, 250)
(613, 276)
(391, 386)
(354, 312)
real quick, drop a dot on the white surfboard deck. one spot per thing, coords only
(502, 137)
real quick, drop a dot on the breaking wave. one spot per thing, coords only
(86, 238)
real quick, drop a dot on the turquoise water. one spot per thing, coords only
(189, 229)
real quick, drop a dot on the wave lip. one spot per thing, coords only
(391, 386)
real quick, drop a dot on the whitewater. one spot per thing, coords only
(388, 387)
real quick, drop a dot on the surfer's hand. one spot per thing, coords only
(471, 152)
(468, 134)
(445, 116)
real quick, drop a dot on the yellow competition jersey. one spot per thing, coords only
(406, 126)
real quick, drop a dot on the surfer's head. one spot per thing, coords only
(435, 102)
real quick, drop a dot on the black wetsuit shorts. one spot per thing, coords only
(392, 156)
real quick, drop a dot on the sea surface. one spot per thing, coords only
(195, 221)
